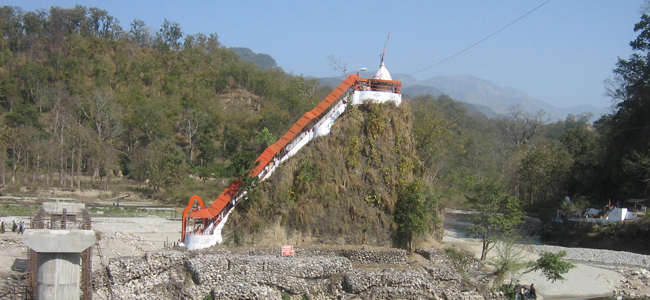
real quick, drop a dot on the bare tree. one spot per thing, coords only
(103, 112)
(60, 100)
(520, 126)
(337, 65)
(21, 141)
(191, 121)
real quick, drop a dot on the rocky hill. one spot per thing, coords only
(339, 189)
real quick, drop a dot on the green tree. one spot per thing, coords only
(207, 150)
(162, 164)
(435, 133)
(498, 213)
(412, 214)
(241, 163)
(265, 138)
(169, 35)
(543, 172)
(552, 265)
(627, 129)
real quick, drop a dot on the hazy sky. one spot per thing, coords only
(561, 53)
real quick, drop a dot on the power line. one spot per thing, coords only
(475, 44)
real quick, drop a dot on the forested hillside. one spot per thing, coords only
(82, 97)
(89, 102)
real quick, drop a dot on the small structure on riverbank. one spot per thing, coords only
(60, 257)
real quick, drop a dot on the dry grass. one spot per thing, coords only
(351, 197)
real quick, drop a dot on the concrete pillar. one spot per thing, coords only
(58, 257)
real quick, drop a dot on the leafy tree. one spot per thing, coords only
(543, 172)
(140, 33)
(585, 147)
(510, 258)
(637, 164)
(498, 214)
(207, 150)
(162, 164)
(411, 213)
(169, 35)
(628, 129)
(24, 115)
(552, 265)
(265, 138)
(241, 163)
(435, 133)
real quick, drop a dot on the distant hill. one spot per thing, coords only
(481, 95)
(470, 89)
(421, 90)
(262, 60)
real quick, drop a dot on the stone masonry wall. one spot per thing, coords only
(313, 273)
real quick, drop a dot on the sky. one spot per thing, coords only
(561, 53)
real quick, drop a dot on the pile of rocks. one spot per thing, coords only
(635, 280)
(134, 241)
(314, 273)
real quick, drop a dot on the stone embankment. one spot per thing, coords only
(313, 273)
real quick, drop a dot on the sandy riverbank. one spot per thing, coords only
(598, 273)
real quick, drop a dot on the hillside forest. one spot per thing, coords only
(89, 102)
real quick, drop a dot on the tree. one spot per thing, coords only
(637, 164)
(543, 172)
(412, 214)
(498, 214)
(191, 121)
(336, 64)
(586, 150)
(264, 138)
(521, 126)
(512, 257)
(103, 112)
(552, 265)
(241, 163)
(140, 33)
(435, 133)
(627, 130)
(169, 35)
(162, 164)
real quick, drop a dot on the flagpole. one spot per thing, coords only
(384, 52)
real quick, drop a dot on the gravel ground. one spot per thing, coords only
(601, 258)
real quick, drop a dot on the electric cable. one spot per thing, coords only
(475, 44)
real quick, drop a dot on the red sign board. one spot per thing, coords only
(287, 250)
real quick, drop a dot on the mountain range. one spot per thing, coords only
(476, 93)
(482, 95)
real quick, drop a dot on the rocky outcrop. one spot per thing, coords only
(313, 273)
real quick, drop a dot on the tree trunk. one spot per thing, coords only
(26, 173)
(79, 159)
(13, 173)
(484, 251)
(38, 166)
(72, 169)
